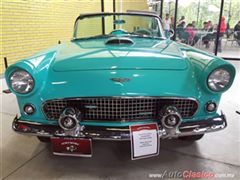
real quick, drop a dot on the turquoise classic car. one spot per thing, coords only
(119, 70)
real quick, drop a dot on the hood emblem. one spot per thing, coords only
(121, 80)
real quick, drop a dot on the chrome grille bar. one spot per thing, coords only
(119, 108)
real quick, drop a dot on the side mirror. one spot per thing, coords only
(171, 33)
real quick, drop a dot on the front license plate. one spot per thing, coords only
(80, 147)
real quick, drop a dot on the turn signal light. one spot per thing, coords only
(211, 106)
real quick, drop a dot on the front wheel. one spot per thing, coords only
(191, 138)
(44, 139)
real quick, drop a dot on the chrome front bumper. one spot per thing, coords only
(119, 133)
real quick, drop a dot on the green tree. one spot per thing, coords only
(190, 11)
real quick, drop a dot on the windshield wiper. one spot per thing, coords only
(143, 36)
(93, 37)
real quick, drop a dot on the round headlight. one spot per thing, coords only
(21, 81)
(219, 79)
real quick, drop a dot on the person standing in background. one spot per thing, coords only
(210, 26)
(189, 29)
(237, 32)
(167, 25)
(223, 28)
(206, 39)
(205, 26)
(228, 30)
(194, 25)
(181, 20)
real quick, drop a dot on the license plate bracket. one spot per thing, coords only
(69, 146)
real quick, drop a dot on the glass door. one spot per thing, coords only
(231, 38)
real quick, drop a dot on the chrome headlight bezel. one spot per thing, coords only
(21, 81)
(219, 79)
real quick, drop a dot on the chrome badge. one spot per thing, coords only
(121, 80)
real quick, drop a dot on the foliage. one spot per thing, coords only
(198, 11)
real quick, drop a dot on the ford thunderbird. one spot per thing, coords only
(118, 71)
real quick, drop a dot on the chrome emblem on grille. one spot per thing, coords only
(145, 113)
(121, 80)
(91, 107)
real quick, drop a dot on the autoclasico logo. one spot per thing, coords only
(192, 174)
(189, 174)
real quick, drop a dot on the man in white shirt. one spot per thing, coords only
(167, 25)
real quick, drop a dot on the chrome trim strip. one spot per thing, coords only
(187, 127)
(71, 155)
(30, 122)
(126, 97)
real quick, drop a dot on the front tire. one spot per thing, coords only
(43, 139)
(191, 138)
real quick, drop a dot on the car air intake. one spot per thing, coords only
(118, 41)
(120, 109)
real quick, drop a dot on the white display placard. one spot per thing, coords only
(144, 140)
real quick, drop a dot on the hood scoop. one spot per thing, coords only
(119, 41)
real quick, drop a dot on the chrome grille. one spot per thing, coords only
(119, 109)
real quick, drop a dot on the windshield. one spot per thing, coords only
(118, 25)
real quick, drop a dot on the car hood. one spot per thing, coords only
(94, 54)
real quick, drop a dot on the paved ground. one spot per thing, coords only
(230, 49)
(26, 158)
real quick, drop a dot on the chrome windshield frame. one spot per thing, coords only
(144, 14)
